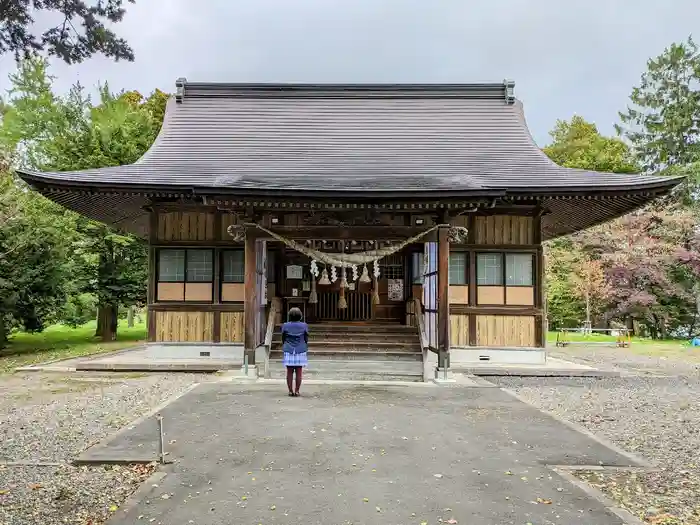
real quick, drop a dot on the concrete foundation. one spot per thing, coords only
(502, 356)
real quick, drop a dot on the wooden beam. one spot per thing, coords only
(443, 297)
(494, 310)
(181, 306)
(250, 300)
(366, 233)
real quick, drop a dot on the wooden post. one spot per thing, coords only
(443, 297)
(250, 309)
(540, 286)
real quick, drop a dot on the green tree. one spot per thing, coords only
(572, 294)
(578, 144)
(69, 133)
(663, 121)
(66, 41)
(35, 240)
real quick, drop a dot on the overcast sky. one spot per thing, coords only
(566, 56)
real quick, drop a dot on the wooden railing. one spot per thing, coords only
(269, 332)
(429, 353)
(420, 323)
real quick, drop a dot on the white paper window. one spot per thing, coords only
(458, 267)
(171, 266)
(234, 266)
(200, 266)
(489, 269)
(519, 269)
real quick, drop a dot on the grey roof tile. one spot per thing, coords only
(346, 138)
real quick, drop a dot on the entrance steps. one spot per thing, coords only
(361, 352)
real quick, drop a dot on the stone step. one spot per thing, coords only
(369, 337)
(349, 344)
(355, 371)
(384, 328)
(357, 355)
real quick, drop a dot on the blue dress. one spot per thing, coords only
(295, 349)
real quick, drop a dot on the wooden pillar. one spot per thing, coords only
(250, 308)
(152, 291)
(443, 297)
(540, 286)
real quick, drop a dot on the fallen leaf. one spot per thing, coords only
(35, 486)
(423, 523)
(273, 507)
(366, 500)
(509, 473)
(378, 509)
(3, 492)
(544, 501)
(165, 496)
(451, 521)
(438, 476)
(244, 498)
(113, 508)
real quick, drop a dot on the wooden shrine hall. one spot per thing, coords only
(406, 221)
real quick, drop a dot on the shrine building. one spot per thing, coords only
(406, 221)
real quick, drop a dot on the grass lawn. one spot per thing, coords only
(675, 348)
(63, 342)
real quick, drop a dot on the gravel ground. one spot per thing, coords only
(654, 413)
(50, 419)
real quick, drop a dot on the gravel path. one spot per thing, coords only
(654, 413)
(50, 419)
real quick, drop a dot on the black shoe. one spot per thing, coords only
(296, 394)
(292, 394)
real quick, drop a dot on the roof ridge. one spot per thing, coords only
(479, 90)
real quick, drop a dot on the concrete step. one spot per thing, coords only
(349, 344)
(384, 328)
(355, 371)
(369, 337)
(357, 355)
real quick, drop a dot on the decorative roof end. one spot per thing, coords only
(180, 89)
(509, 86)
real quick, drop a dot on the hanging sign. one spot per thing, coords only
(395, 287)
(294, 271)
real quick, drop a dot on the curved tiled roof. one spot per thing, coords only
(347, 138)
(342, 140)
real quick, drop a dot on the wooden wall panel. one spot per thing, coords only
(184, 327)
(459, 294)
(233, 292)
(232, 327)
(490, 295)
(460, 220)
(198, 292)
(227, 219)
(505, 330)
(504, 229)
(170, 292)
(520, 295)
(186, 226)
(459, 330)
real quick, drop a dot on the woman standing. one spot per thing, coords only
(295, 345)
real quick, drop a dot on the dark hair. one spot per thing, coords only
(294, 315)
